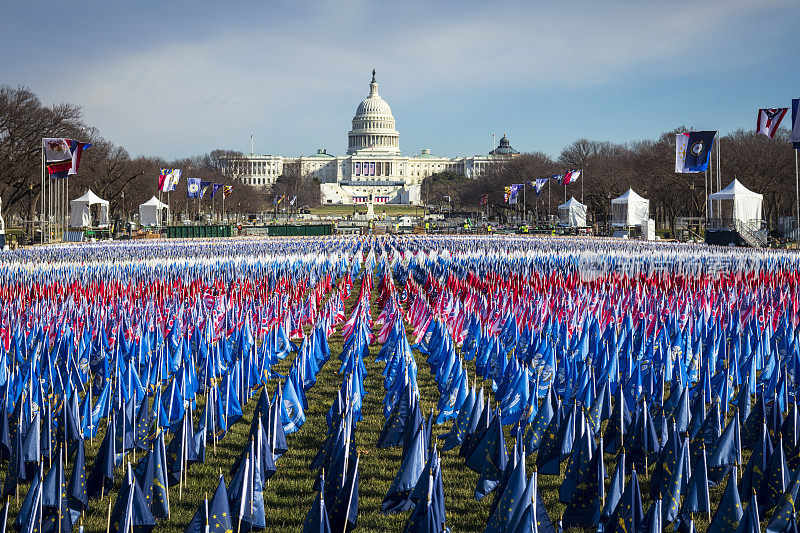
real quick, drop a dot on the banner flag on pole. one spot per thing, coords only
(63, 156)
(794, 136)
(204, 186)
(571, 177)
(168, 179)
(693, 150)
(539, 184)
(768, 120)
(193, 188)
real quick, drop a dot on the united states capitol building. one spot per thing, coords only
(373, 168)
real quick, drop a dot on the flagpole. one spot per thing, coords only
(705, 207)
(719, 169)
(49, 208)
(710, 172)
(57, 206)
(524, 202)
(54, 208)
(66, 207)
(548, 197)
(41, 214)
(60, 206)
(582, 177)
(797, 192)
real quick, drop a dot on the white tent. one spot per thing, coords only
(82, 211)
(151, 212)
(630, 209)
(736, 203)
(572, 214)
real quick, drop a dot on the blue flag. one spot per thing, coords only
(193, 188)
(698, 150)
(344, 514)
(317, 517)
(729, 512)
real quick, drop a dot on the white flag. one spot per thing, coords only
(768, 120)
(56, 150)
(681, 144)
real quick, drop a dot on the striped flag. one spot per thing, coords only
(571, 177)
(769, 119)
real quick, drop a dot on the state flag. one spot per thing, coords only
(168, 179)
(698, 151)
(204, 186)
(571, 177)
(63, 156)
(769, 119)
(193, 188)
(56, 150)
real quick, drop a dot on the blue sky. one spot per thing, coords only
(181, 78)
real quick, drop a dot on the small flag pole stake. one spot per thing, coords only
(108, 520)
(59, 491)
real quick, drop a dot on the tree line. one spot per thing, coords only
(761, 164)
(107, 169)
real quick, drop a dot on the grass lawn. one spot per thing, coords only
(289, 493)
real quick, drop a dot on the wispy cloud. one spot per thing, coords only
(295, 73)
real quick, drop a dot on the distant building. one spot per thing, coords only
(373, 168)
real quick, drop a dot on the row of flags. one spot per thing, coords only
(195, 187)
(512, 191)
(63, 156)
(290, 200)
(693, 149)
(137, 387)
(632, 361)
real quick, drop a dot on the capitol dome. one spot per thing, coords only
(373, 126)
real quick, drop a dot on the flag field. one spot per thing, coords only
(533, 384)
(289, 493)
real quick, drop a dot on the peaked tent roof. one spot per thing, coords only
(571, 202)
(90, 198)
(734, 189)
(629, 196)
(155, 202)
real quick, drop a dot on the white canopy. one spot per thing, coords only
(151, 212)
(82, 211)
(736, 203)
(572, 214)
(630, 209)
